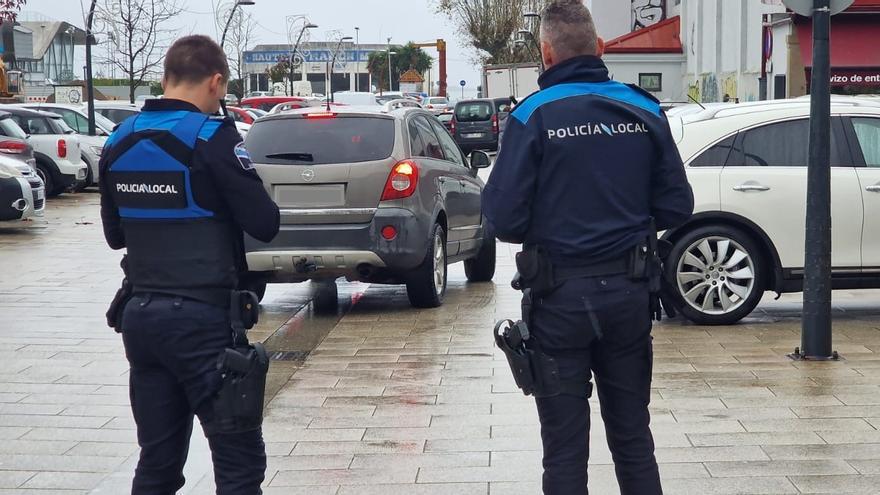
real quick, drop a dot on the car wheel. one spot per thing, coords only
(255, 282)
(427, 283)
(45, 173)
(716, 273)
(326, 296)
(482, 267)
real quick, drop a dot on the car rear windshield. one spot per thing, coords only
(317, 141)
(473, 111)
(438, 101)
(9, 128)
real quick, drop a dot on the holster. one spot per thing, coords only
(117, 305)
(535, 271)
(534, 372)
(238, 406)
(646, 264)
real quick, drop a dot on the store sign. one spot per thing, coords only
(310, 56)
(855, 78)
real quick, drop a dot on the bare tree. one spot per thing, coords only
(141, 34)
(491, 26)
(242, 33)
(9, 9)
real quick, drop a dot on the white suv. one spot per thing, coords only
(747, 164)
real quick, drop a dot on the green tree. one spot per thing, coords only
(405, 57)
(280, 70)
(492, 27)
(9, 9)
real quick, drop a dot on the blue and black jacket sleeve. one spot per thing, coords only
(239, 185)
(672, 199)
(510, 191)
(110, 220)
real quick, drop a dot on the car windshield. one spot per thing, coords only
(474, 111)
(256, 112)
(104, 123)
(438, 101)
(383, 99)
(445, 117)
(316, 141)
(9, 128)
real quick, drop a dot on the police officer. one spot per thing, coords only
(177, 190)
(586, 162)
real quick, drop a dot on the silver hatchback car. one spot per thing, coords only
(374, 194)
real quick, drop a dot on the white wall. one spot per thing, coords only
(625, 67)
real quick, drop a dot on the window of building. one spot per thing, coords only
(652, 81)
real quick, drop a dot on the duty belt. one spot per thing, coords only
(619, 266)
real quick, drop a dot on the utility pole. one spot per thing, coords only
(816, 324)
(390, 86)
(357, 58)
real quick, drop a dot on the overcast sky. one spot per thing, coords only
(402, 20)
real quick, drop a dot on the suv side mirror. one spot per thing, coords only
(480, 159)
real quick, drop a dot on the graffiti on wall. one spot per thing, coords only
(647, 13)
(729, 88)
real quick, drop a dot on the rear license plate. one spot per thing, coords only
(300, 196)
(473, 136)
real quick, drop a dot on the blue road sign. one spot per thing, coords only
(462, 83)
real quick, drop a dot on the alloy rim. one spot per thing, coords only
(715, 275)
(439, 264)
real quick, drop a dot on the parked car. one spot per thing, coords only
(747, 164)
(446, 119)
(254, 94)
(256, 112)
(357, 98)
(14, 141)
(376, 195)
(231, 99)
(436, 104)
(117, 111)
(268, 102)
(240, 115)
(22, 195)
(76, 116)
(476, 123)
(56, 148)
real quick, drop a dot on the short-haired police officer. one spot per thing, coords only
(178, 190)
(586, 162)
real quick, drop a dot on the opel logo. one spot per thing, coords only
(308, 175)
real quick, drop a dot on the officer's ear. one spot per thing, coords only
(600, 47)
(217, 85)
(547, 54)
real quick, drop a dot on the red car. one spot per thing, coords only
(268, 102)
(240, 115)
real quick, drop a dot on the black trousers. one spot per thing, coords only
(172, 346)
(599, 327)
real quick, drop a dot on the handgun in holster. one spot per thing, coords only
(117, 305)
(646, 264)
(238, 406)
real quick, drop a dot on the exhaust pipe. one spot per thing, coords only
(365, 271)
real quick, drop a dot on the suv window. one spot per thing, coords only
(70, 118)
(782, 144)
(474, 111)
(317, 141)
(450, 149)
(868, 134)
(9, 128)
(430, 144)
(34, 125)
(716, 156)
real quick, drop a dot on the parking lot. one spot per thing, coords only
(383, 398)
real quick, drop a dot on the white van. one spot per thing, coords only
(358, 98)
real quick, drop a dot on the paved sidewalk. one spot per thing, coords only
(402, 401)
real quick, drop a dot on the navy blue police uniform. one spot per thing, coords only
(178, 191)
(586, 163)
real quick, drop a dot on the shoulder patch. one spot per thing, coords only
(244, 158)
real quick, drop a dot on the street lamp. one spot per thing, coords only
(307, 25)
(390, 53)
(529, 35)
(333, 63)
(90, 83)
(243, 3)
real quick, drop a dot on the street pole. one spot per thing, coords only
(332, 65)
(90, 82)
(307, 25)
(357, 58)
(816, 329)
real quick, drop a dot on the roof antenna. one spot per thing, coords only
(695, 101)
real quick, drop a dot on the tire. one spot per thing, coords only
(254, 282)
(326, 296)
(482, 267)
(706, 293)
(45, 173)
(427, 283)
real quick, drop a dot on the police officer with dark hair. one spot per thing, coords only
(177, 191)
(586, 167)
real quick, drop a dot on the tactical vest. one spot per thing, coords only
(174, 245)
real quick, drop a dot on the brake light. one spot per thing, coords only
(389, 232)
(430, 106)
(452, 125)
(495, 123)
(62, 148)
(12, 147)
(321, 115)
(401, 181)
